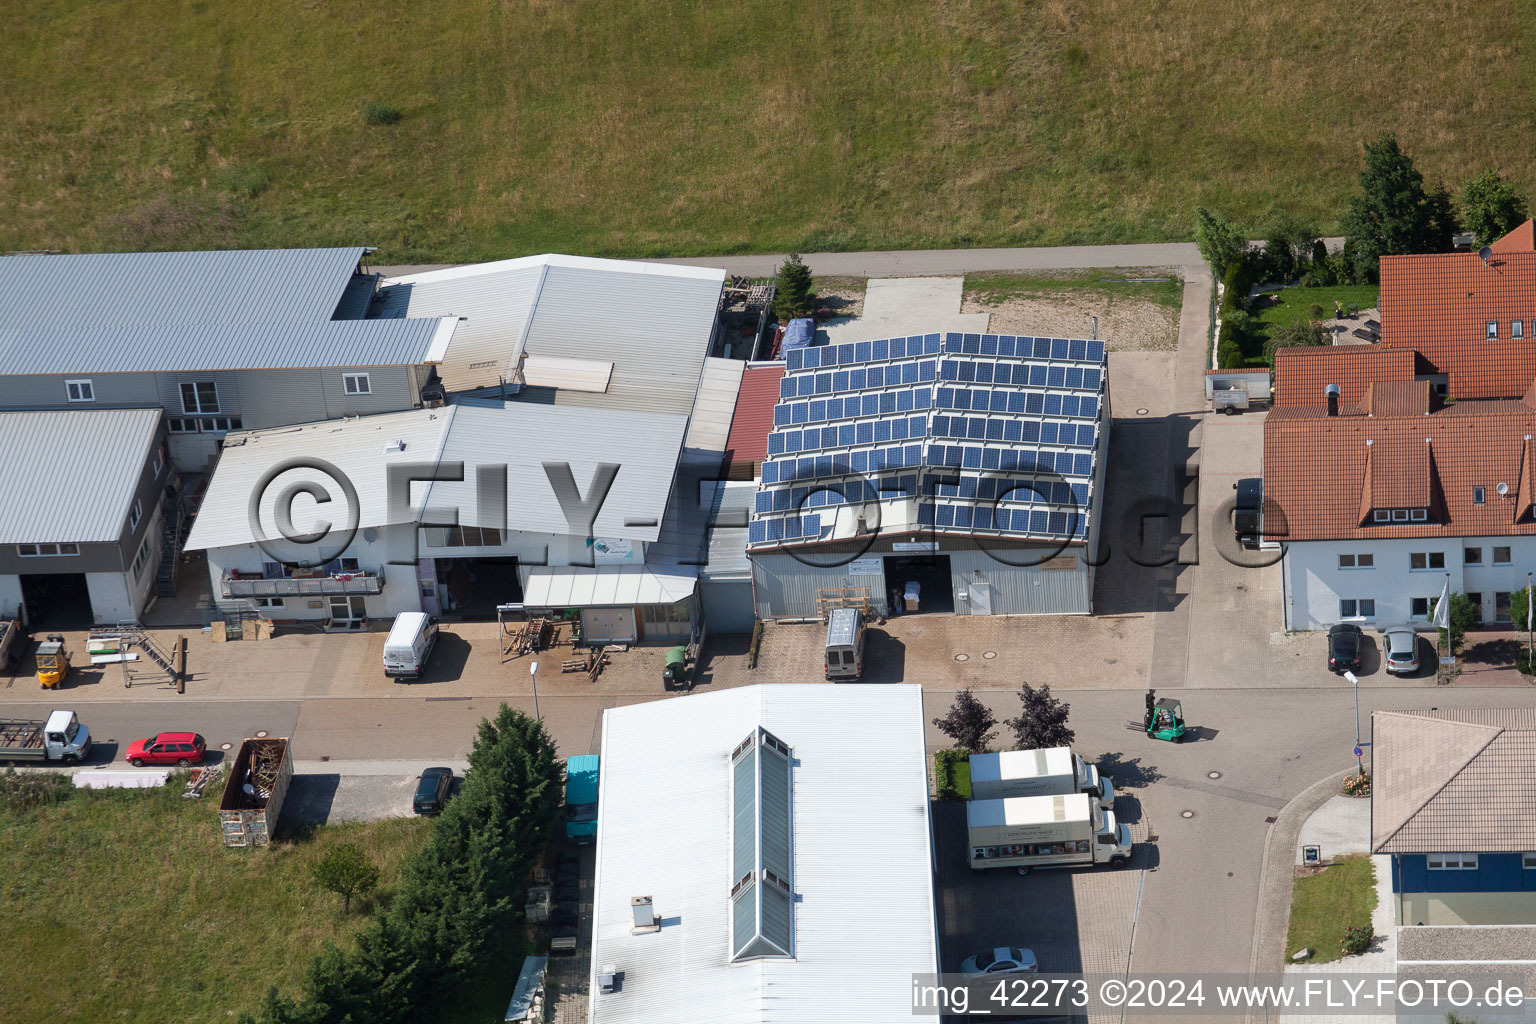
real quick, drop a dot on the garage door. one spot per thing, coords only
(616, 625)
(727, 605)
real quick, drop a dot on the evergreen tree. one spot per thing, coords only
(1392, 213)
(793, 296)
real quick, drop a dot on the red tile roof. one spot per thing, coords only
(1440, 306)
(753, 418)
(1324, 475)
(1301, 374)
(1398, 398)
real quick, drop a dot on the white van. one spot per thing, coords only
(408, 645)
(845, 644)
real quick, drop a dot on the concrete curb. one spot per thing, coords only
(1275, 876)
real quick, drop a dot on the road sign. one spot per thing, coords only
(1359, 752)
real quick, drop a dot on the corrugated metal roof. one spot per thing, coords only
(645, 447)
(355, 446)
(653, 321)
(240, 286)
(520, 438)
(710, 423)
(140, 348)
(603, 586)
(753, 418)
(70, 475)
(731, 505)
(865, 920)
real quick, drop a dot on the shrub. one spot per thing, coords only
(1218, 240)
(1317, 312)
(381, 114)
(1302, 333)
(346, 871)
(757, 641)
(247, 182)
(1237, 282)
(1356, 940)
(20, 792)
(951, 773)
(1356, 784)
(1463, 615)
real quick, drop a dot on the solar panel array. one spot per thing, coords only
(988, 434)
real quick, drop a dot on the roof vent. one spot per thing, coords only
(646, 918)
(1502, 489)
(396, 445)
(1331, 394)
(609, 979)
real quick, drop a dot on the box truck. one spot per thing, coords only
(1054, 771)
(1045, 832)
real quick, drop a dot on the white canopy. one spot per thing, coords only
(604, 586)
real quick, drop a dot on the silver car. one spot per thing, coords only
(1401, 649)
(1002, 960)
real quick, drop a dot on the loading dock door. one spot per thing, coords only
(611, 625)
(980, 598)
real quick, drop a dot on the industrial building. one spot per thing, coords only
(725, 889)
(81, 520)
(955, 473)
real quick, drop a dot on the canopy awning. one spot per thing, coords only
(605, 586)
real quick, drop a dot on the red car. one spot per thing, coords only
(178, 748)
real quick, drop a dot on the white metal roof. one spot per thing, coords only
(525, 438)
(604, 586)
(1027, 810)
(1019, 764)
(710, 424)
(863, 864)
(355, 446)
(145, 348)
(235, 286)
(653, 321)
(70, 476)
(521, 438)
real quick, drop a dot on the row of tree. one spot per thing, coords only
(1392, 213)
(1041, 722)
(460, 894)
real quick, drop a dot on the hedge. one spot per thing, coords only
(952, 773)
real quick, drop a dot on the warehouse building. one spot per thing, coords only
(956, 473)
(725, 887)
(80, 523)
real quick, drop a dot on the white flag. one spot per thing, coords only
(1443, 607)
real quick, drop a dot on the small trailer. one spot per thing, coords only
(1232, 391)
(253, 795)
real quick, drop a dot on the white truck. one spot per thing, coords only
(1054, 771)
(62, 737)
(1045, 832)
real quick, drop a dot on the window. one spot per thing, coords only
(159, 460)
(39, 550)
(1420, 515)
(1528, 861)
(1517, 328)
(1357, 608)
(1357, 561)
(1472, 556)
(268, 602)
(80, 390)
(356, 383)
(1399, 515)
(1418, 607)
(141, 560)
(204, 425)
(1477, 602)
(1381, 515)
(199, 396)
(462, 537)
(1501, 556)
(1500, 606)
(1451, 861)
(1427, 560)
(136, 515)
(1492, 329)
(347, 564)
(1479, 495)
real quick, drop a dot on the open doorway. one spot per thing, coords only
(477, 585)
(931, 574)
(56, 600)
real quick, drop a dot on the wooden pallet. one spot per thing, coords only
(843, 597)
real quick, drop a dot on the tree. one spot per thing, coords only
(1517, 609)
(1463, 615)
(346, 871)
(793, 296)
(1218, 240)
(1288, 244)
(1042, 720)
(969, 723)
(1490, 207)
(1392, 213)
(1302, 333)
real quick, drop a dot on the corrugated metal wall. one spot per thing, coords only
(47, 391)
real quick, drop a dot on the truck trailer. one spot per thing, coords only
(60, 737)
(1045, 832)
(253, 794)
(1054, 771)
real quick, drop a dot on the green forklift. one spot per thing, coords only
(1164, 719)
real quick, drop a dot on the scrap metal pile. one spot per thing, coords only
(266, 766)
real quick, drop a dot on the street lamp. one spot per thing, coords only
(1354, 682)
(533, 673)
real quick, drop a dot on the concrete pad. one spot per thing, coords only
(1341, 826)
(901, 306)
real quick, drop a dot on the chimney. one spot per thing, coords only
(646, 919)
(1331, 392)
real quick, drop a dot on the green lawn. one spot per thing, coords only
(1296, 304)
(629, 127)
(125, 906)
(1322, 904)
(1155, 286)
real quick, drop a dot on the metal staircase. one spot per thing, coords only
(170, 551)
(131, 634)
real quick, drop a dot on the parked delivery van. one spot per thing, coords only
(845, 644)
(408, 645)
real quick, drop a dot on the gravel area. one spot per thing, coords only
(843, 295)
(1514, 942)
(1125, 324)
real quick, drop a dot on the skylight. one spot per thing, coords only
(762, 898)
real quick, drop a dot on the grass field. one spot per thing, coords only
(622, 127)
(1296, 304)
(1322, 904)
(1104, 285)
(125, 906)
